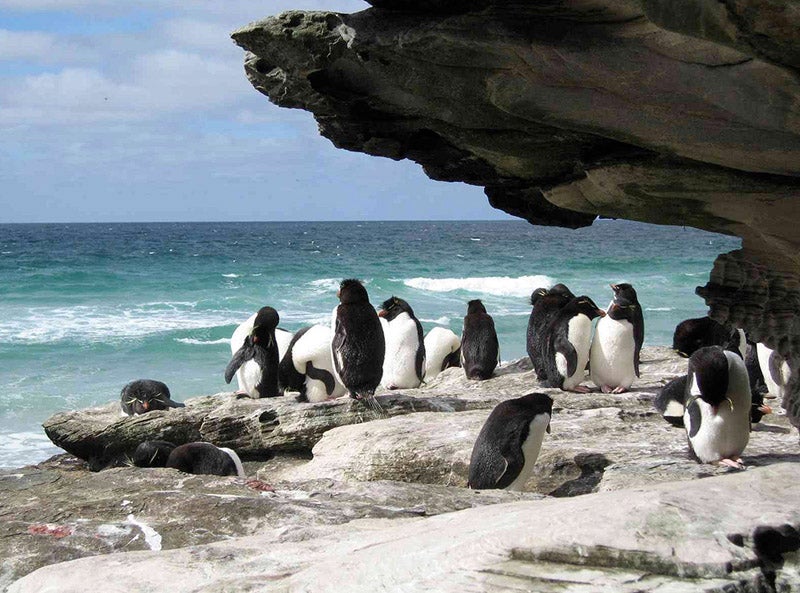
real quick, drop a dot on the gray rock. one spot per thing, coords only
(704, 535)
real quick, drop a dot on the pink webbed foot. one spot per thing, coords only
(620, 389)
(734, 463)
(605, 389)
(580, 389)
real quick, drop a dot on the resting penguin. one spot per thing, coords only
(717, 416)
(568, 338)
(249, 373)
(404, 363)
(546, 305)
(442, 350)
(692, 334)
(480, 350)
(307, 366)
(614, 357)
(152, 453)
(358, 345)
(258, 356)
(205, 458)
(509, 442)
(144, 395)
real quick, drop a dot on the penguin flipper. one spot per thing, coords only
(695, 418)
(242, 355)
(638, 337)
(337, 344)
(489, 470)
(322, 375)
(564, 347)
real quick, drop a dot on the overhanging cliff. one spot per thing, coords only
(672, 112)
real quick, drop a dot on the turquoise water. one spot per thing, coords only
(87, 308)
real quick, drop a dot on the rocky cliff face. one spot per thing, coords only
(673, 113)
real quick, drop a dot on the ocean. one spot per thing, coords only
(88, 307)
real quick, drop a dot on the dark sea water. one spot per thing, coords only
(88, 307)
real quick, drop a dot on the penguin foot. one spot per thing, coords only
(620, 389)
(579, 389)
(735, 464)
(240, 394)
(605, 389)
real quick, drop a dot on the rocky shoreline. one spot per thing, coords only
(328, 480)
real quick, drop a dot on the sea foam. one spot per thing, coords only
(521, 286)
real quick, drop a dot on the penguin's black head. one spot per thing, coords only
(624, 295)
(144, 395)
(692, 334)
(561, 290)
(537, 294)
(710, 368)
(475, 306)
(352, 291)
(534, 404)
(394, 306)
(152, 453)
(583, 304)
(266, 321)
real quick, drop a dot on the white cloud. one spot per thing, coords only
(24, 44)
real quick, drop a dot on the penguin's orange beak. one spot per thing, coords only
(146, 406)
(764, 409)
(601, 313)
(382, 313)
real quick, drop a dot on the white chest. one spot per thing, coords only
(611, 358)
(530, 449)
(579, 334)
(402, 342)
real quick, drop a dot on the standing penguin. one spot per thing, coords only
(442, 350)
(614, 359)
(404, 363)
(717, 416)
(358, 346)
(568, 339)
(307, 366)
(258, 356)
(546, 305)
(480, 350)
(509, 442)
(774, 368)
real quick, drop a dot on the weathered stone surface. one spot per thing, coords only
(255, 428)
(705, 535)
(61, 511)
(674, 113)
(598, 441)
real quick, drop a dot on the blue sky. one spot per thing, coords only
(140, 111)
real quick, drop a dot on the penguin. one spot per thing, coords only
(307, 366)
(617, 343)
(442, 350)
(145, 395)
(670, 399)
(568, 339)
(258, 357)
(509, 442)
(546, 304)
(717, 416)
(692, 334)
(205, 458)
(774, 368)
(152, 453)
(358, 345)
(480, 350)
(758, 386)
(249, 372)
(404, 363)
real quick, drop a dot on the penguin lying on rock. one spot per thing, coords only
(442, 351)
(192, 458)
(307, 366)
(145, 395)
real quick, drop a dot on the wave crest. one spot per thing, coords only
(521, 286)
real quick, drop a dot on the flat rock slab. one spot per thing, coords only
(61, 511)
(707, 535)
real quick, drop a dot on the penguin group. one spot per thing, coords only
(363, 348)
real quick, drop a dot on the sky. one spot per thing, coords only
(116, 110)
